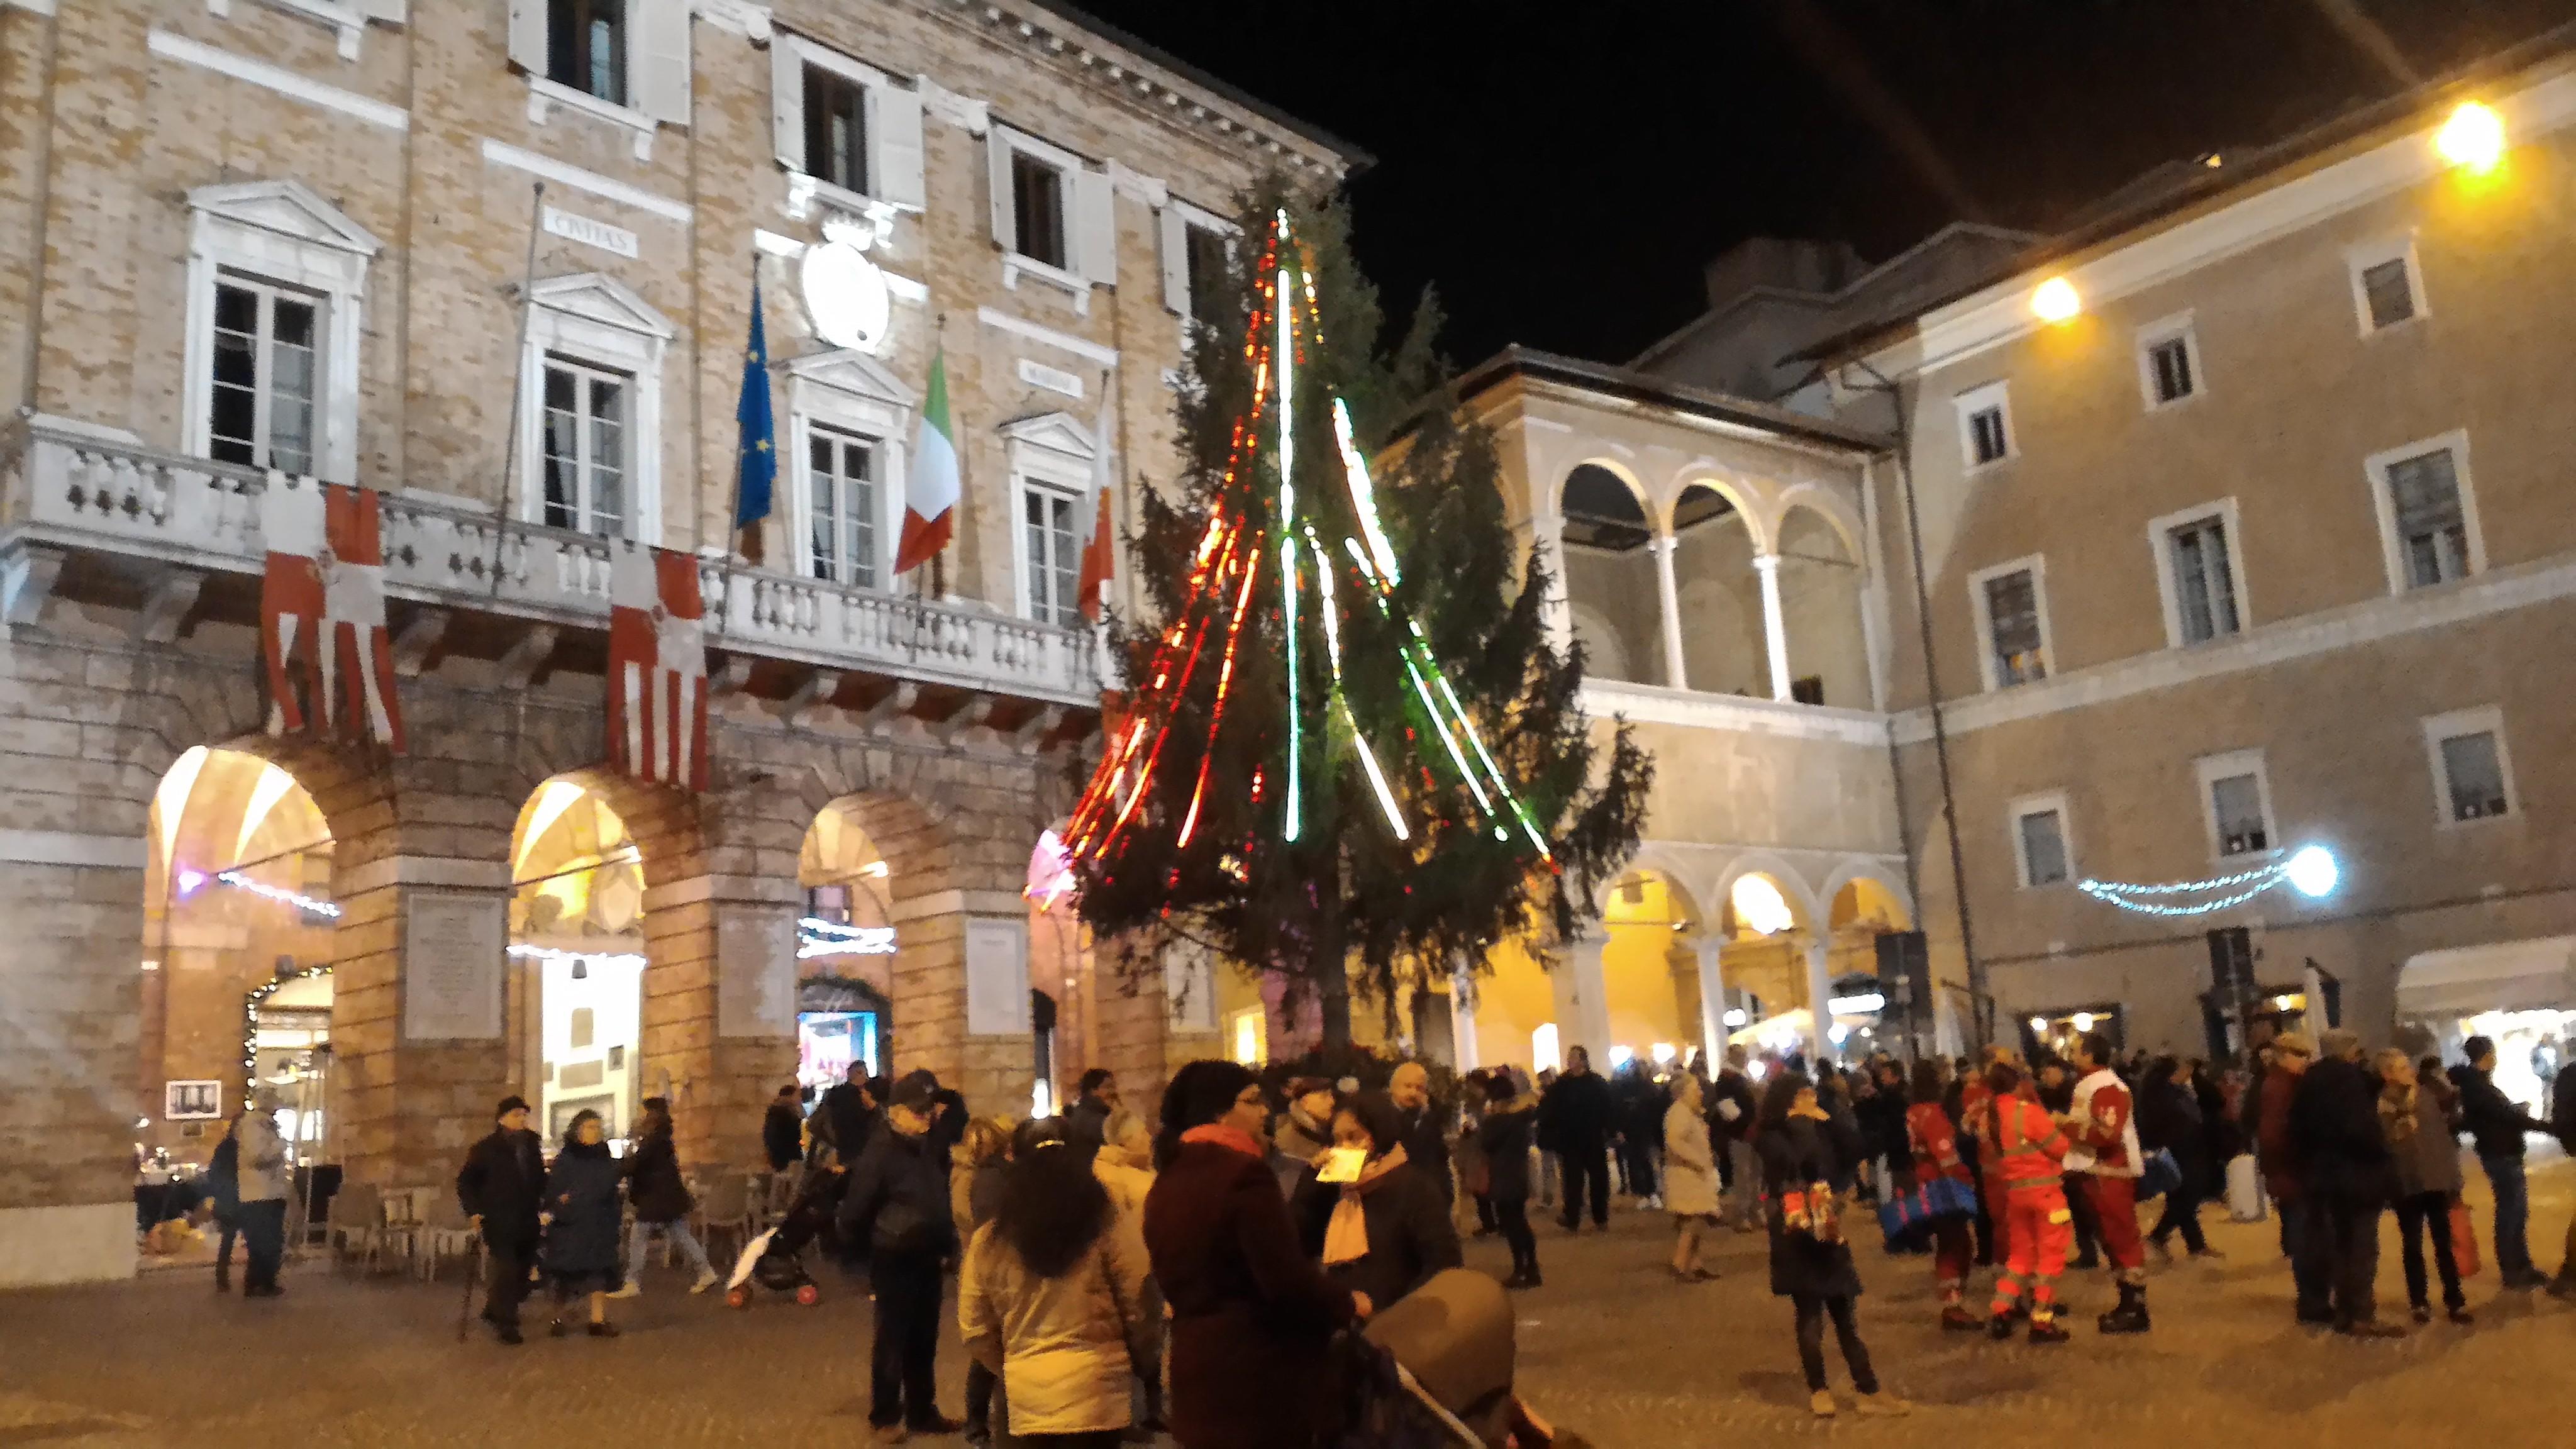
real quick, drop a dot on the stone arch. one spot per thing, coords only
(1875, 872)
(1650, 922)
(1716, 537)
(1608, 527)
(1823, 591)
(1740, 495)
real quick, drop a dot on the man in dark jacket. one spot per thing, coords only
(846, 1115)
(1730, 1126)
(1426, 1138)
(1095, 1097)
(1578, 1113)
(2346, 1177)
(898, 1205)
(2562, 1123)
(2291, 1054)
(2496, 1126)
(782, 1130)
(503, 1179)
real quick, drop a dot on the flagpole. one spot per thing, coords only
(733, 514)
(518, 381)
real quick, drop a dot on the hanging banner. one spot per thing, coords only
(657, 666)
(322, 612)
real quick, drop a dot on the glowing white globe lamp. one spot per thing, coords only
(2312, 871)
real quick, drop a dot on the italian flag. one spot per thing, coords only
(930, 494)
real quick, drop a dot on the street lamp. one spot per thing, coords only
(2056, 300)
(2472, 139)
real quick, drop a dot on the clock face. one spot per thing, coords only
(846, 296)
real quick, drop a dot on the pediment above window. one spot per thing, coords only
(1056, 432)
(289, 209)
(855, 373)
(595, 297)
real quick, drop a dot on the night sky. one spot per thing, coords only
(1559, 172)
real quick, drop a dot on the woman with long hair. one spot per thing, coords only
(1248, 1306)
(581, 1232)
(975, 1179)
(1053, 1301)
(1808, 1162)
(1383, 1234)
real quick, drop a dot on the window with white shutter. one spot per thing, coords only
(847, 128)
(1196, 247)
(1053, 216)
(2427, 513)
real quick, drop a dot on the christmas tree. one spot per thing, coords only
(1351, 751)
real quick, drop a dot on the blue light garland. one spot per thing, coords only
(2310, 870)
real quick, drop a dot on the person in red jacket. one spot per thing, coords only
(1974, 1118)
(2107, 1163)
(2027, 1149)
(1934, 1141)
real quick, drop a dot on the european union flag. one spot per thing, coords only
(756, 470)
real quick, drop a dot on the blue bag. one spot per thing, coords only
(2160, 1175)
(1906, 1215)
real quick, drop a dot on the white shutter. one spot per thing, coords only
(894, 130)
(528, 35)
(1176, 261)
(997, 155)
(657, 56)
(787, 101)
(1095, 224)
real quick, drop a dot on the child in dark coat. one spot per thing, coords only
(581, 1233)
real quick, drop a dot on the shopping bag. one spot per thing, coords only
(2464, 1241)
(2244, 1189)
(2161, 1175)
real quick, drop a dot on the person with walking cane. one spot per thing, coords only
(499, 1187)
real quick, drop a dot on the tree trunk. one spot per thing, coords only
(1333, 965)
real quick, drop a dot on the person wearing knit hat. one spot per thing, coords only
(500, 1187)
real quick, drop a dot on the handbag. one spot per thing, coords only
(2464, 1241)
(2160, 1174)
(1906, 1214)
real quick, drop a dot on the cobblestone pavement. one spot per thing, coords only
(1610, 1346)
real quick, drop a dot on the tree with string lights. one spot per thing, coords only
(1351, 753)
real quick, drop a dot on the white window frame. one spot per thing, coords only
(1178, 219)
(2209, 770)
(2366, 255)
(2484, 719)
(1994, 395)
(1052, 453)
(2392, 549)
(892, 114)
(599, 322)
(658, 69)
(263, 388)
(2053, 802)
(283, 233)
(2177, 328)
(850, 393)
(2169, 585)
(585, 372)
(348, 18)
(2037, 566)
(1090, 216)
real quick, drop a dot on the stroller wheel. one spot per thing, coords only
(807, 1295)
(737, 1298)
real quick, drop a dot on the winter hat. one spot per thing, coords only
(508, 1106)
(916, 1090)
(2339, 1044)
(2295, 1043)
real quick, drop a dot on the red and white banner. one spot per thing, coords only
(322, 612)
(657, 666)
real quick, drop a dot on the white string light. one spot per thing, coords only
(2310, 870)
(303, 903)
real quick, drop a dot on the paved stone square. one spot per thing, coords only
(1610, 1346)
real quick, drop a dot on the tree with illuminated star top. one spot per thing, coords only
(1351, 753)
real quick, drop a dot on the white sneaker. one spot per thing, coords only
(628, 1289)
(706, 1280)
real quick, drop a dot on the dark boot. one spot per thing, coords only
(2000, 1326)
(1957, 1319)
(2131, 1315)
(2048, 1330)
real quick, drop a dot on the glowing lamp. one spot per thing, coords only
(1734, 1016)
(2039, 1024)
(1663, 1053)
(2313, 871)
(189, 881)
(1839, 1034)
(1760, 907)
(2083, 1021)
(2056, 301)
(2472, 139)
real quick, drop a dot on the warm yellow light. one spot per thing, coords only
(2056, 301)
(1760, 907)
(2472, 139)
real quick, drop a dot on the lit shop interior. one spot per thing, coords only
(2517, 993)
(576, 990)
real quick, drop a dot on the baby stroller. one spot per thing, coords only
(1434, 1371)
(775, 1260)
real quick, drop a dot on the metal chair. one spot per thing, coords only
(444, 1232)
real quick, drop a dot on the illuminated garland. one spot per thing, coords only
(250, 1020)
(304, 903)
(2310, 870)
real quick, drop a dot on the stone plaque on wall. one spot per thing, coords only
(454, 947)
(755, 971)
(997, 978)
(1190, 987)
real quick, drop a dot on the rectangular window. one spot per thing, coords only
(836, 129)
(2203, 580)
(1987, 440)
(2473, 776)
(2431, 528)
(2388, 291)
(2169, 369)
(2236, 802)
(588, 419)
(841, 503)
(1206, 254)
(1038, 210)
(586, 47)
(2012, 622)
(1054, 556)
(2043, 847)
(265, 366)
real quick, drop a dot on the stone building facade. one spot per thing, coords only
(2257, 538)
(254, 235)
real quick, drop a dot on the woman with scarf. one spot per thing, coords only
(1248, 1306)
(1382, 1235)
(1809, 1160)
(584, 1214)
